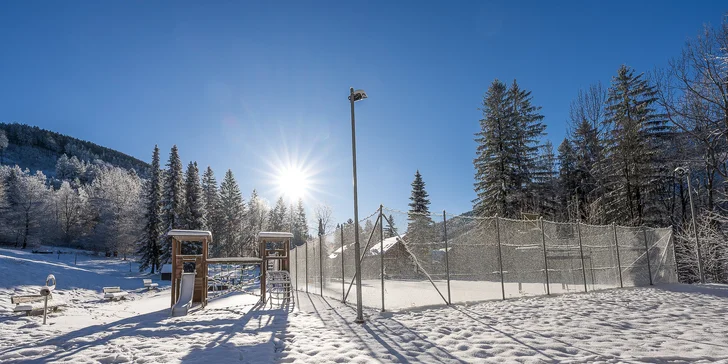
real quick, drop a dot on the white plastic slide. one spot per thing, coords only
(186, 290)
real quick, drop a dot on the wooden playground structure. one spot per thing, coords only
(274, 260)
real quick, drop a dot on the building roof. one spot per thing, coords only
(250, 260)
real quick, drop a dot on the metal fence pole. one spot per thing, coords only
(381, 251)
(545, 259)
(321, 266)
(343, 285)
(295, 257)
(447, 257)
(619, 262)
(500, 256)
(581, 252)
(647, 252)
(305, 245)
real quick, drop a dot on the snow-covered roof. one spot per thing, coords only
(274, 235)
(388, 243)
(191, 235)
(166, 268)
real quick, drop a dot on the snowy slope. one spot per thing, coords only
(663, 324)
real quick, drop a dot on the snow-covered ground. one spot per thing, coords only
(667, 323)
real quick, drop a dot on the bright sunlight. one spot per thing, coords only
(293, 182)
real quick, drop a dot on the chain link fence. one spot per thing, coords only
(421, 260)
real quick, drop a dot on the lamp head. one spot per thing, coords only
(358, 95)
(681, 170)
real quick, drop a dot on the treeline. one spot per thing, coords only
(182, 199)
(618, 162)
(36, 148)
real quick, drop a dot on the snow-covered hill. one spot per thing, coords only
(661, 324)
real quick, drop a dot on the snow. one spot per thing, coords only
(661, 324)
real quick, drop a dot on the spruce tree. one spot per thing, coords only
(278, 217)
(150, 248)
(390, 229)
(256, 219)
(195, 216)
(173, 201)
(232, 215)
(211, 197)
(300, 224)
(545, 183)
(568, 181)
(494, 161)
(420, 233)
(527, 127)
(635, 132)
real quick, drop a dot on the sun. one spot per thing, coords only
(293, 182)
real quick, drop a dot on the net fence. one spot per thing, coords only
(415, 260)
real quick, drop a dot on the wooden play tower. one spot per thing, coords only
(199, 260)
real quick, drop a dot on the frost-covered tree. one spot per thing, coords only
(28, 198)
(545, 183)
(390, 229)
(278, 217)
(232, 214)
(69, 169)
(568, 181)
(256, 220)
(299, 224)
(633, 144)
(173, 200)
(116, 199)
(195, 216)
(72, 211)
(150, 246)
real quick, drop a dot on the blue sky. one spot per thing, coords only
(251, 85)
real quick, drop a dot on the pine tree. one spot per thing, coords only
(420, 233)
(151, 242)
(256, 220)
(211, 197)
(633, 146)
(232, 215)
(494, 161)
(173, 200)
(278, 217)
(389, 229)
(568, 180)
(526, 124)
(195, 216)
(545, 183)
(507, 151)
(300, 225)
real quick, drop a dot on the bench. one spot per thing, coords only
(30, 303)
(149, 285)
(113, 293)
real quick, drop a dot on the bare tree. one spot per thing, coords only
(323, 213)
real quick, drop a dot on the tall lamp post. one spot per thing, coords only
(355, 96)
(686, 172)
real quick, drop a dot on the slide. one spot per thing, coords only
(186, 290)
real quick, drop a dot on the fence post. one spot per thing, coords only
(581, 252)
(295, 257)
(343, 285)
(381, 251)
(619, 262)
(647, 252)
(447, 257)
(545, 259)
(500, 255)
(321, 266)
(305, 245)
